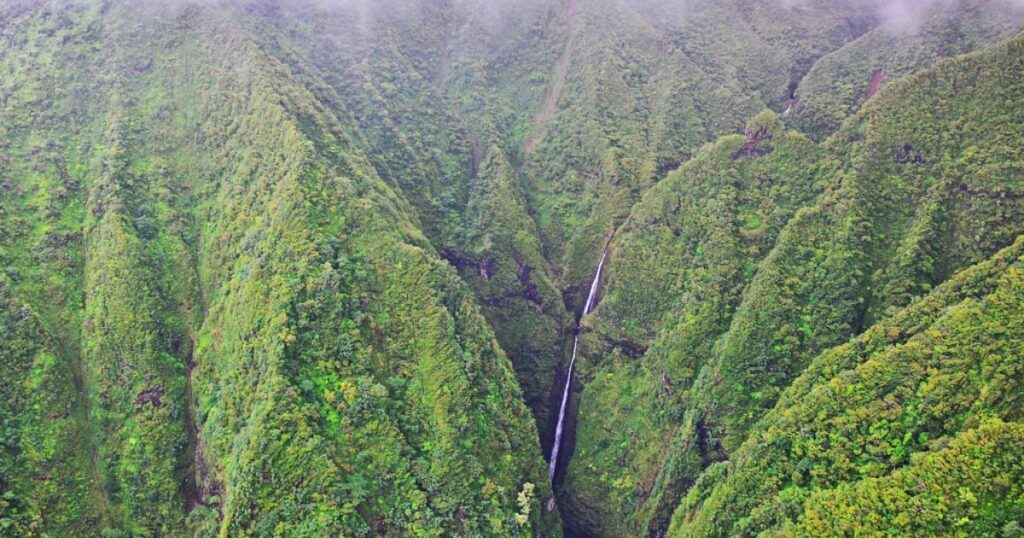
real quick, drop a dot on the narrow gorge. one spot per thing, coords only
(309, 268)
(587, 306)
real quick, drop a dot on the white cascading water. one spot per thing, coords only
(568, 377)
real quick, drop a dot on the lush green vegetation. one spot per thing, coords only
(911, 192)
(916, 404)
(235, 304)
(839, 83)
(679, 264)
(313, 268)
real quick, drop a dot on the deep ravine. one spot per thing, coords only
(587, 307)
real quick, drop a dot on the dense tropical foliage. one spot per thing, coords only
(314, 268)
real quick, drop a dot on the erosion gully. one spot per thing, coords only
(587, 307)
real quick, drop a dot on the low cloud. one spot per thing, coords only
(908, 16)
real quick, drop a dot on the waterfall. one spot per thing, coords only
(568, 377)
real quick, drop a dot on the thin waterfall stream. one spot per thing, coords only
(572, 362)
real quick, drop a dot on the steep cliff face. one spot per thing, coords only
(924, 392)
(908, 197)
(678, 269)
(905, 41)
(189, 220)
(315, 268)
(649, 83)
(521, 134)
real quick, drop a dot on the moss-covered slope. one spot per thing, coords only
(310, 268)
(909, 428)
(922, 183)
(240, 325)
(910, 36)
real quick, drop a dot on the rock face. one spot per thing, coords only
(876, 83)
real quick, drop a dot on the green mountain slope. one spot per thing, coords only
(909, 39)
(898, 405)
(678, 267)
(643, 89)
(252, 309)
(908, 200)
(314, 268)
(440, 90)
(436, 128)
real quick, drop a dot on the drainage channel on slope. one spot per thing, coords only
(587, 307)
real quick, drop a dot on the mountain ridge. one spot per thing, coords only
(314, 268)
